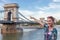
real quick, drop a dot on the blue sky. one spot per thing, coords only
(36, 8)
(28, 4)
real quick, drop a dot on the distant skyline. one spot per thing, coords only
(36, 8)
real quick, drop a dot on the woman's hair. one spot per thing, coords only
(53, 19)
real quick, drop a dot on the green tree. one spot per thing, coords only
(58, 22)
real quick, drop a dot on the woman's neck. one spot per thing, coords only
(50, 28)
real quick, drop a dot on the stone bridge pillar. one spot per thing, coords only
(12, 17)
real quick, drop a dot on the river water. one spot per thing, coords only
(28, 34)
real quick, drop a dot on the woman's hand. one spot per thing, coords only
(38, 21)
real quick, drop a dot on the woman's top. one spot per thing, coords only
(50, 35)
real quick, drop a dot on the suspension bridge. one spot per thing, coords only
(20, 20)
(10, 17)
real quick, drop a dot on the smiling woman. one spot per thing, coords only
(50, 33)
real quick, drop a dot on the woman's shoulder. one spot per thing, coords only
(54, 30)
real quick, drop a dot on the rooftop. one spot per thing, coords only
(11, 5)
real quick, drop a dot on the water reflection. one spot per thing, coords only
(17, 36)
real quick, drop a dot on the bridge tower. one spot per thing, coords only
(10, 16)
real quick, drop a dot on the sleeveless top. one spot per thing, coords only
(50, 35)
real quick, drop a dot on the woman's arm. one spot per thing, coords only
(38, 21)
(55, 35)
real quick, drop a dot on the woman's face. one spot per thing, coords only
(50, 22)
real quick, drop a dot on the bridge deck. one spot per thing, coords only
(11, 22)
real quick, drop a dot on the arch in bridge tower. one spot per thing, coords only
(10, 15)
(14, 9)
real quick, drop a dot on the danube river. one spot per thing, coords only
(28, 34)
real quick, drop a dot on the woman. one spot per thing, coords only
(50, 33)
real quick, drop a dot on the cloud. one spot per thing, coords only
(54, 5)
(50, 6)
(1, 7)
(39, 14)
(56, 0)
(26, 12)
(4, 1)
(52, 9)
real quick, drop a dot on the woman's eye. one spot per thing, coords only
(49, 21)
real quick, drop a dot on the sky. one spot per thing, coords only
(36, 8)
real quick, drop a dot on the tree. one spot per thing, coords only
(58, 22)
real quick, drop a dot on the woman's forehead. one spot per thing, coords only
(49, 19)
